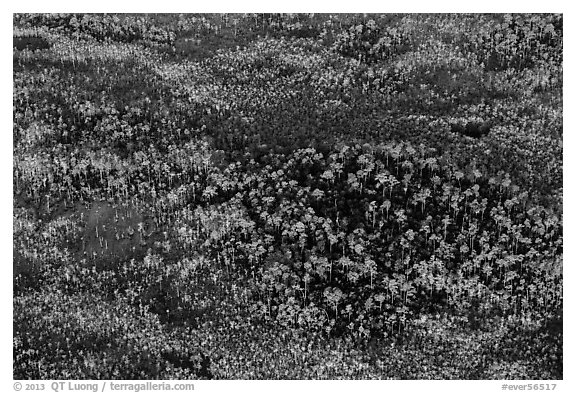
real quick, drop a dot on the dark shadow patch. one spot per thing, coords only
(471, 129)
(199, 364)
(30, 43)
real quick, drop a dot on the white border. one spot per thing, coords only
(295, 6)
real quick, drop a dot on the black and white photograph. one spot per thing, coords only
(287, 196)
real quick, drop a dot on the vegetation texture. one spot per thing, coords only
(287, 196)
